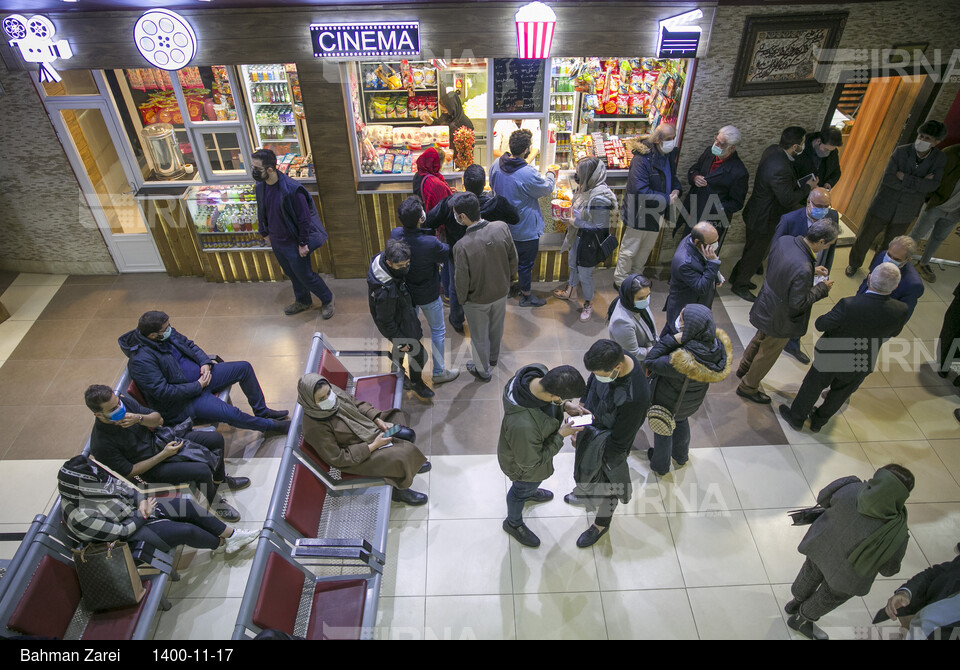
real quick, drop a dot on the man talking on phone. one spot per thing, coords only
(531, 434)
(618, 398)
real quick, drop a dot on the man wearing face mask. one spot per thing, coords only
(531, 434)
(289, 222)
(653, 188)
(821, 158)
(122, 440)
(618, 398)
(775, 192)
(798, 222)
(910, 287)
(719, 181)
(393, 312)
(913, 172)
(782, 309)
(180, 380)
(694, 273)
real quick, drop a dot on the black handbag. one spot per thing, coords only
(806, 516)
(108, 576)
(592, 249)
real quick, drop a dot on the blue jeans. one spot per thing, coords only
(208, 407)
(434, 313)
(579, 274)
(456, 309)
(526, 258)
(676, 446)
(302, 276)
(518, 494)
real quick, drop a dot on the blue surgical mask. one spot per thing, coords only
(715, 150)
(165, 335)
(118, 413)
(817, 213)
(642, 304)
(887, 259)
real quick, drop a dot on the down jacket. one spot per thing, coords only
(528, 437)
(651, 178)
(391, 305)
(672, 365)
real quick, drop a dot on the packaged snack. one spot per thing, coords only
(610, 107)
(669, 87)
(136, 81)
(591, 101)
(587, 115)
(625, 69)
(429, 77)
(419, 76)
(648, 63)
(412, 107)
(623, 105)
(636, 82)
(370, 80)
(388, 163)
(634, 106)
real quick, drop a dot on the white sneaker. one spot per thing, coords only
(238, 541)
(446, 376)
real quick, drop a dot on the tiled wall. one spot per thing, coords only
(760, 119)
(45, 226)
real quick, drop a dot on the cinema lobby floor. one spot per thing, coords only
(706, 552)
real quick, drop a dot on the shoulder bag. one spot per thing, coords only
(108, 576)
(661, 419)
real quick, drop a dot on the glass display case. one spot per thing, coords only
(277, 120)
(225, 218)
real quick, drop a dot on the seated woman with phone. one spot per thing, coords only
(359, 439)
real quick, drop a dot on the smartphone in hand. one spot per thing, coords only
(582, 420)
(392, 430)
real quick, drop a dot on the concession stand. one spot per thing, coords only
(159, 113)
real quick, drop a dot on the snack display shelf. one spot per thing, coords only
(221, 250)
(399, 90)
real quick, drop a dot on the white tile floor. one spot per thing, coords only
(706, 552)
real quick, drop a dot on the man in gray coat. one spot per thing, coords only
(484, 261)
(782, 310)
(862, 532)
(913, 172)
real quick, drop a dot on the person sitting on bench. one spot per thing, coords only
(180, 380)
(98, 507)
(122, 439)
(351, 435)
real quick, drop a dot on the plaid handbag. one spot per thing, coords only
(660, 419)
(108, 576)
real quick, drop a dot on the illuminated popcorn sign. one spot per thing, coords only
(356, 40)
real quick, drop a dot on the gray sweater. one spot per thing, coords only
(840, 530)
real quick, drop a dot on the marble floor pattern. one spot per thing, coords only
(704, 553)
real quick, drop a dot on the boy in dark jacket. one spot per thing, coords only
(426, 254)
(393, 312)
(179, 380)
(531, 434)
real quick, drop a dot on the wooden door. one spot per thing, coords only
(886, 108)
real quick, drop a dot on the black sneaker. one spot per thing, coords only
(296, 308)
(236, 483)
(542, 496)
(426, 467)
(274, 414)
(225, 510)
(423, 391)
(409, 497)
(522, 534)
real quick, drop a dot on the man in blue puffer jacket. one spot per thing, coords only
(179, 380)
(522, 186)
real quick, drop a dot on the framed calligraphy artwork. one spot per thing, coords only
(783, 55)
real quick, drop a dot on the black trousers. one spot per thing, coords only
(418, 358)
(874, 225)
(841, 385)
(179, 521)
(755, 250)
(190, 472)
(949, 335)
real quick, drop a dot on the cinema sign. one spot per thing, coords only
(357, 40)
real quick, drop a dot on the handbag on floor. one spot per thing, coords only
(108, 576)
(660, 419)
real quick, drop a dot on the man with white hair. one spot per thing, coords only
(853, 332)
(910, 288)
(652, 189)
(719, 182)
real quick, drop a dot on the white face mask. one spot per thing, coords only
(668, 145)
(606, 380)
(922, 146)
(328, 403)
(679, 324)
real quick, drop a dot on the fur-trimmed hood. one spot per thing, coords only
(638, 145)
(686, 364)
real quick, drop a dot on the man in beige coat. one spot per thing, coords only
(485, 260)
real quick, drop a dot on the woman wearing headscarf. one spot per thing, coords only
(428, 183)
(683, 366)
(631, 320)
(451, 114)
(349, 435)
(862, 532)
(589, 227)
(98, 507)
